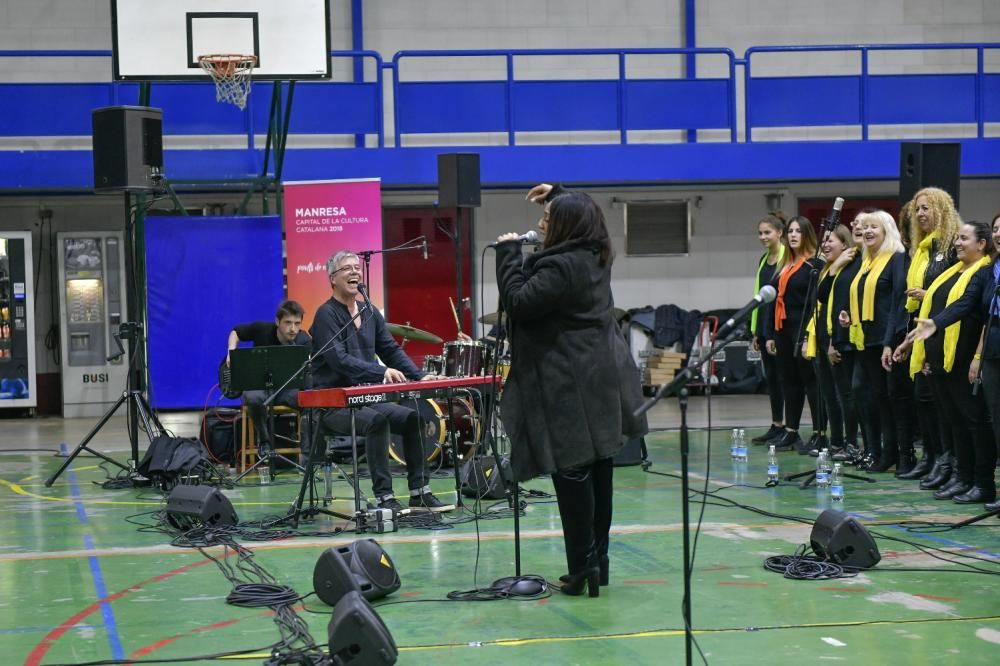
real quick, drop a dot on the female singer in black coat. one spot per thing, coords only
(573, 385)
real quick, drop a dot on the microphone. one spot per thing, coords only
(425, 249)
(529, 238)
(833, 219)
(363, 290)
(766, 294)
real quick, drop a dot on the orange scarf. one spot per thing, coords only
(779, 304)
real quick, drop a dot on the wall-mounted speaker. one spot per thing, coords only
(358, 635)
(199, 506)
(360, 566)
(458, 180)
(128, 148)
(929, 165)
(840, 538)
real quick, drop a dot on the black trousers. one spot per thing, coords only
(797, 378)
(374, 423)
(257, 412)
(585, 495)
(991, 393)
(927, 415)
(770, 364)
(892, 405)
(862, 391)
(965, 421)
(843, 381)
(827, 390)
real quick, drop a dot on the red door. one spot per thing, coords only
(817, 209)
(417, 291)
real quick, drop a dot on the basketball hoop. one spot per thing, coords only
(231, 74)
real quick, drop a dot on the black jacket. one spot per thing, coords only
(974, 306)
(572, 385)
(842, 303)
(889, 325)
(350, 360)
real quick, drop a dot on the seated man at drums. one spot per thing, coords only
(284, 330)
(351, 360)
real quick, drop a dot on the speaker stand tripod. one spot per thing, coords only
(138, 407)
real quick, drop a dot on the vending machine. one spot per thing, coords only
(91, 308)
(17, 322)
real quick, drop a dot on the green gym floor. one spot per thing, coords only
(81, 581)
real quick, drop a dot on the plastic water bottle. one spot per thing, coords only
(734, 444)
(837, 483)
(772, 465)
(741, 447)
(822, 469)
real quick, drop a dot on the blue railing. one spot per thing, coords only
(511, 105)
(867, 99)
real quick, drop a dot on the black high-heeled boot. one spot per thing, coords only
(575, 498)
(922, 468)
(956, 486)
(939, 474)
(603, 501)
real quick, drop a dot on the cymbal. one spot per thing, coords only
(491, 319)
(410, 333)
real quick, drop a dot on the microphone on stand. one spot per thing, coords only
(363, 290)
(529, 238)
(833, 219)
(766, 294)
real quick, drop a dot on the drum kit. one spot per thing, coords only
(458, 358)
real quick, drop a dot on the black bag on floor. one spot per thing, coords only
(169, 458)
(218, 434)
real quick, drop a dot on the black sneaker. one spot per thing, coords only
(427, 502)
(392, 503)
(767, 438)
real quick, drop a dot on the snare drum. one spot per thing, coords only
(433, 365)
(436, 429)
(465, 358)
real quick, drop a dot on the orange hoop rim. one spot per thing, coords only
(227, 64)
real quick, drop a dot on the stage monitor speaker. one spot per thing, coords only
(128, 148)
(840, 538)
(929, 165)
(358, 635)
(458, 180)
(483, 479)
(360, 566)
(199, 506)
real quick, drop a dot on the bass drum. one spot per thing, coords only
(436, 431)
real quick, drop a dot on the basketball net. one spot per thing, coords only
(232, 75)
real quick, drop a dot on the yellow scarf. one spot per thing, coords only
(950, 333)
(863, 309)
(756, 284)
(918, 266)
(812, 343)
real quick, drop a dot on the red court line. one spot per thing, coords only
(934, 596)
(153, 647)
(741, 584)
(41, 649)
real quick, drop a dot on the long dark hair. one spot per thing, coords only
(575, 216)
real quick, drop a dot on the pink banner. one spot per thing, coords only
(322, 218)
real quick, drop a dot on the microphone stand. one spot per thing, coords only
(678, 387)
(366, 255)
(296, 512)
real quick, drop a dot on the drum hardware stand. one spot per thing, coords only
(298, 512)
(133, 395)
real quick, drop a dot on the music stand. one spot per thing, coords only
(263, 368)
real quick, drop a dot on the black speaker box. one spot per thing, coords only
(199, 506)
(483, 479)
(358, 635)
(361, 566)
(128, 148)
(458, 180)
(929, 165)
(840, 538)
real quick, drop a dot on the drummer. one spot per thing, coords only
(361, 334)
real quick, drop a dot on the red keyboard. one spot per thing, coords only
(359, 396)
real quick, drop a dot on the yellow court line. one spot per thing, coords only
(19, 490)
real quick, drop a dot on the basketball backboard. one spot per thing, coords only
(156, 40)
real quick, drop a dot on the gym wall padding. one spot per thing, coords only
(204, 275)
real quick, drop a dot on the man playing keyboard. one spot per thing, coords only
(351, 361)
